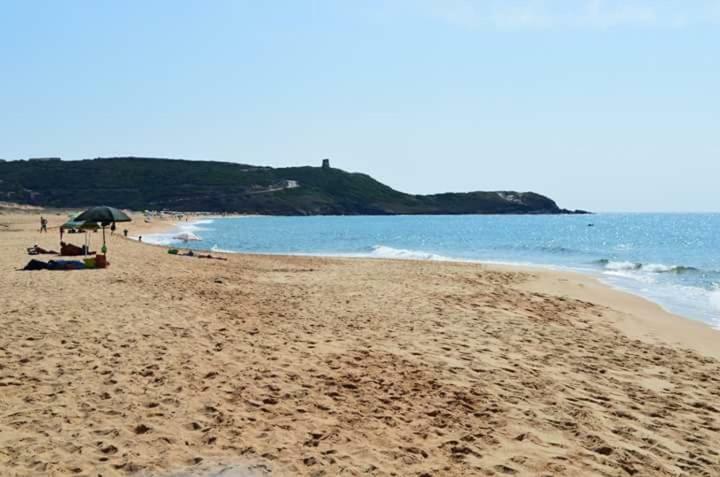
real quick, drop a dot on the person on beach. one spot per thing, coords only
(112, 228)
(43, 224)
(35, 250)
(125, 232)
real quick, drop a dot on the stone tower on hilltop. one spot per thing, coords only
(326, 164)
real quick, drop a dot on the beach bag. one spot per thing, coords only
(101, 261)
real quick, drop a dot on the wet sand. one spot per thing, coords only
(164, 365)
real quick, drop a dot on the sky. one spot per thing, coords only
(605, 105)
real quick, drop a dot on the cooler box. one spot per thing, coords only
(100, 261)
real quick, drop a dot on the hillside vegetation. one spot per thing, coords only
(147, 183)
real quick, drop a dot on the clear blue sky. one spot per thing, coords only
(607, 105)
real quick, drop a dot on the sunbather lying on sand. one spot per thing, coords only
(35, 250)
(190, 253)
(210, 256)
(70, 250)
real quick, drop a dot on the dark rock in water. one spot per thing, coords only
(146, 183)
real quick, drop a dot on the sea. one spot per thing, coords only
(671, 259)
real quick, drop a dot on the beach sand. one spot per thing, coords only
(267, 365)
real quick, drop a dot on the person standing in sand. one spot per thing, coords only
(43, 224)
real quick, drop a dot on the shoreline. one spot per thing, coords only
(663, 328)
(308, 366)
(704, 336)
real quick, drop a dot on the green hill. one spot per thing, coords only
(147, 183)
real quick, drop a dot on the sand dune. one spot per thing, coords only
(162, 364)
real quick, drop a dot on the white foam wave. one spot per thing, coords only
(630, 274)
(382, 251)
(619, 266)
(658, 268)
(714, 299)
(647, 267)
(158, 239)
(217, 249)
(194, 226)
(690, 301)
(379, 252)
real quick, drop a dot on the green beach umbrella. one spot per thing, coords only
(105, 215)
(74, 224)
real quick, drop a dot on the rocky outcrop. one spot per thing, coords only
(146, 183)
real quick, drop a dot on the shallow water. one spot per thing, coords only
(672, 259)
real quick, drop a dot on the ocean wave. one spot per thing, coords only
(660, 268)
(632, 275)
(551, 249)
(192, 227)
(158, 239)
(383, 251)
(377, 251)
(617, 266)
(694, 301)
(714, 298)
(217, 249)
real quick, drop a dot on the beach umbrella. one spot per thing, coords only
(73, 224)
(105, 215)
(187, 237)
(77, 225)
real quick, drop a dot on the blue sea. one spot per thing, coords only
(672, 259)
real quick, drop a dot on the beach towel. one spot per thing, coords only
(36, 265)
(65, 265)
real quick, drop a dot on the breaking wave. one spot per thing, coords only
(217, 249)
(619, 266)
(715, 299)
(382, 251)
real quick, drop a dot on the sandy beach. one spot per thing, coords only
(166, 365)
